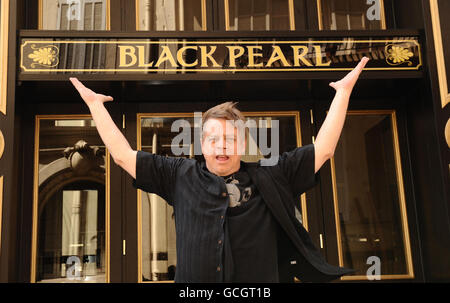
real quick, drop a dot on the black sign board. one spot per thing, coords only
(174, 56)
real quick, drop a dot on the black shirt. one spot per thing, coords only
(200, 201)
(250, 248)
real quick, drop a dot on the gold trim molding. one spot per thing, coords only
(4, 29)
(447, 132)
(439, 50)
(396, 55)
(401, 197)
(2, 144)
(291, 15)
(226, 4)
(1, 209)
(319, 14)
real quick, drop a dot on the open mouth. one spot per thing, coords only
(222, 158)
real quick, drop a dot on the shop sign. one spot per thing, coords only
(214, 56)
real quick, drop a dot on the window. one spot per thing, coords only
(369, 200)
(262, 15)
(171, 15)
(74, 15)
(71, 204)
(351, 14)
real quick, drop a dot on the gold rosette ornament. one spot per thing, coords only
(396, 55)
(46, 56)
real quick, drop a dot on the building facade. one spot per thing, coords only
(70, 214)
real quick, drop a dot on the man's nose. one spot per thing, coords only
(221, 145)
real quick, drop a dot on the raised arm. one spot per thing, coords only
(330, 131)
(117, 145)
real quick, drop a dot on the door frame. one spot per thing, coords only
(385, 104)
(113, 258)
(308, 200)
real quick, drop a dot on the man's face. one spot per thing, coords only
(222, 146)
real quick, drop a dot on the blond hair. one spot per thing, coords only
(226, 110)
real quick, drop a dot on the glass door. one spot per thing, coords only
(71, 202)
(368, 229)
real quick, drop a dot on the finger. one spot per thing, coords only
(78, 85)
(358, 69)
(362, 63)
(333, 84)
(108, 98)
(105, 98)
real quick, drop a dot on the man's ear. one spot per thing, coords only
(201, 143)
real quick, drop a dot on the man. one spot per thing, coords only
(235, 221)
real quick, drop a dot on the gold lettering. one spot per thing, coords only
(128, 56)
(166, 55)
(127, 51)
(300, 56)
(181, 59)
(205, 55)
(319, 57)
(277, 54)
(233, 55)
(252, 55)
(141, 55)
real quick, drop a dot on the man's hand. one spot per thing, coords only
(330, 131)
(111, 135)
(349, 80)
(90, 97)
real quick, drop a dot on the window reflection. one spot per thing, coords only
(171, 15)
(300, 14)
(351, 14)
(157, 223)
(259, 15)
(70, 211)
(74, 14)
(158, 240)
(368, 191)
